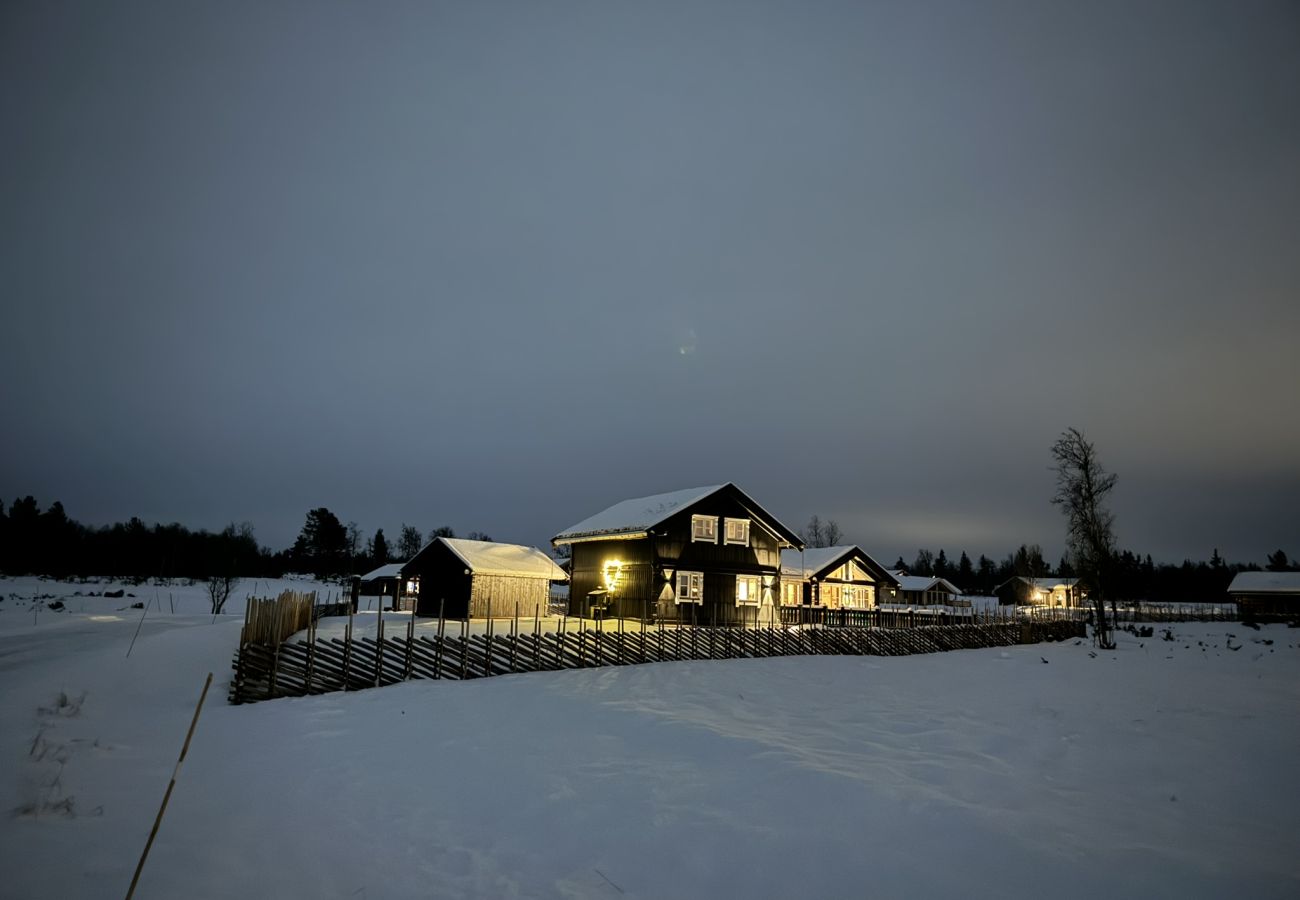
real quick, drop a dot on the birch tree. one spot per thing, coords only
(1082, 486)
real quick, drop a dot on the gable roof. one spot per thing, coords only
(392, 570)
(636, 517)
(925, 582)
(1265, 583)
(813, 561)
(492, 558)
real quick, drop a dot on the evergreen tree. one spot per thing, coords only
(379, 548)
(965, 573)
(941, 567)
(924, 564)
(899, 565)
(322, 545)
(986, 575)
(1277, 562)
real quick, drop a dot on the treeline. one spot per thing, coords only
(1131, 576)
(49, 542)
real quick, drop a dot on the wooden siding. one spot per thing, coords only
(498, 595)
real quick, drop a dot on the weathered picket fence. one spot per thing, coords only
(316, 666)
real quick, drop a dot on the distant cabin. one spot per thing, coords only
(709, 555)
(925, 590)
(1044, 591)
(382, 582)
(474, 579)
(1266, 593)
(842, 577)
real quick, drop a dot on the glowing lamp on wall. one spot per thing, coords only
(612, 570)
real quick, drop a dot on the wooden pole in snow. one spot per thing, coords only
(170, 785)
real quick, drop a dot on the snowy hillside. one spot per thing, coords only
(1162, 769)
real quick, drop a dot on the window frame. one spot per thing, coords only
(755, 595)
(727, 522)
(694, 585)
(712, 523)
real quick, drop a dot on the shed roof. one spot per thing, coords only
(637, 516)
(1045, 583)
(1265, 583)
(492, 558)
(392, 570)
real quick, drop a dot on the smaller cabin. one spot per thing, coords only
(925, 590)
(1271, 594)
(382, 582)
(843, 577)
(464, 579)
(1044, 591)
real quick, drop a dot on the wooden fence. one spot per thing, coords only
(298, 668)
(268, 622)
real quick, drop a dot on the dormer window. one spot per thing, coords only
(704, 529)
(737, 532)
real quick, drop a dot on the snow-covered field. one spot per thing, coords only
(1162, 769)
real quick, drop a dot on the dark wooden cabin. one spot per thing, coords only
(707, 555)
(1266, 594)
(1044, 591)
(474, 579)
(842, 577)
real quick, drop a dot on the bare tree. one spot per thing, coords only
(1081, 489)
(220, 587)
(831, 533)
(812, 534)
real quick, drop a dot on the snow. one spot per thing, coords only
(491, 558)
(640, 514)
(392, 570)
(1265, 583)
(1160, 769)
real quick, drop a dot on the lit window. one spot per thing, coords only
(690, 587)
(791, 593)
(737, 532)
(849, 599)
(704, 528)
(749, 590)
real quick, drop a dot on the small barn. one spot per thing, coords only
(475, 579)
(382, 582)
(1266, 593)
(842, 577)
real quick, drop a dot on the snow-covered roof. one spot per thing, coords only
(807, 563)
(637, 515)
(924, 583)
(392, 570)
(492, 558)
(1265, 583)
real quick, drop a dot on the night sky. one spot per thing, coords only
(500, 265)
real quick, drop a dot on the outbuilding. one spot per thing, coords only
(461, 579)
(1266, 593)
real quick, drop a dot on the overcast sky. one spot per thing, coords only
(498, 265)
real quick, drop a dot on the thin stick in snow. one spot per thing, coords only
(170, 785)
(137, 630)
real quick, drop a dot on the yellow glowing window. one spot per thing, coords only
(749, 590)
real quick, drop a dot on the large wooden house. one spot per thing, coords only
(709, 555)
(464, 579)
(834, 577)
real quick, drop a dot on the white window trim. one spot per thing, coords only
(700, 520)
(755, 595)
(726, 532)
(694, 586)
